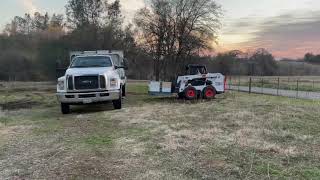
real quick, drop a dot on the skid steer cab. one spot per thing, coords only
(196, 83)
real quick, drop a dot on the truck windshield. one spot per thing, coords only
(91, 61)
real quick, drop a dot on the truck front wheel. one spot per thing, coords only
(65, 108)
(117, 104)
(124, 91)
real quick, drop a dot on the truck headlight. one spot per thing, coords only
(61, 85)
(113, 82)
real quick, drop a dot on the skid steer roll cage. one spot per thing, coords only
(195, 69)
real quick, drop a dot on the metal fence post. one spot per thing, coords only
(239, 83)
(278, 87)
(313, 86)
(297, 88)
(289, 86)
(262, 85)
(250, 85)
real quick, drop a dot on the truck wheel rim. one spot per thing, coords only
(191, 93)
(209, 93)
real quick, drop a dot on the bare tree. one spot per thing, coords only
(83, 12)
(177, 29)
(112, 31)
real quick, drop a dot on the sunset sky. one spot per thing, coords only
(287, 28)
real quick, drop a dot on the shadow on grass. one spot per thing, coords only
(94, 108)
(139, 100)
(176, 100)
(16, 105)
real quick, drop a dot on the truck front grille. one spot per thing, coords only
(86, 82)
(87, 95)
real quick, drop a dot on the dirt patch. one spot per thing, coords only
(12, 130)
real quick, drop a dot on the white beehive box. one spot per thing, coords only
(156, 87)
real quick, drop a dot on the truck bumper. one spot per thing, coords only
(88, 98)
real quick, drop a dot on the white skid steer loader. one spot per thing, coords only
(196, 83)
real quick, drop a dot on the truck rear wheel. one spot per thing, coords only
(209, 92)
(65, 108)
(190, 93)
(117, 104)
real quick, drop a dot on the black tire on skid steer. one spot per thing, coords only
(180, 95)
(209, 92)
(190, 93)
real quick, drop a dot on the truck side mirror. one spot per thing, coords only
(121, 67)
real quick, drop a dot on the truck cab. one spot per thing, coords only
(93, 77)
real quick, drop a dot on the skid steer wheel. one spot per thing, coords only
(190, 93)
(180, 95)
(117, 104)
(209, 92)
(65, 108)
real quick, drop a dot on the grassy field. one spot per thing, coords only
(235, 136)
(301, 83)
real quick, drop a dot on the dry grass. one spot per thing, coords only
(236, 136)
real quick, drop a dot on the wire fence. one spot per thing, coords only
(298, 87)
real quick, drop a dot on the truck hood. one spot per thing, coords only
(90, 71)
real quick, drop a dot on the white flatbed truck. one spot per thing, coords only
(93, 77)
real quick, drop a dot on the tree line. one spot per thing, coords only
(163, 37)
(311, 58)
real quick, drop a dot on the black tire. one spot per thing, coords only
(180, 95)
(190, 93)
(65, 108)
(124, 91)
(209, 92)
(117, 104)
